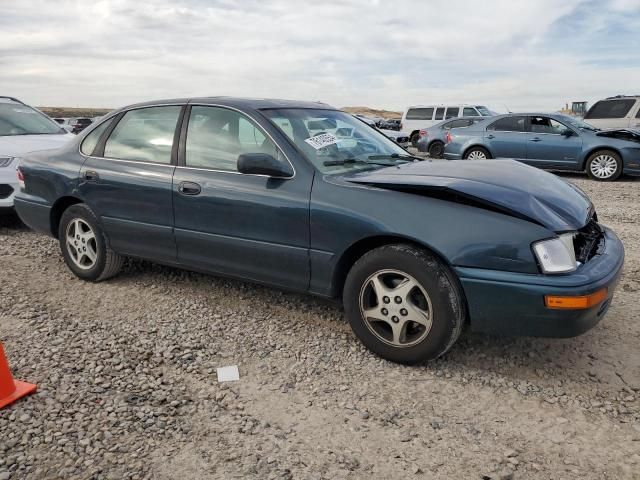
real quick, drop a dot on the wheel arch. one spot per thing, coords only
(356, 250)
(478, 145)
(600, 148)
(58, 208)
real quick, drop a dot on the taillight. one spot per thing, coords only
(448, 137)
(424, 133)
(20, 178)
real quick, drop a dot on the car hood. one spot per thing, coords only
(16, 145)
(621, 134)
(503, 185)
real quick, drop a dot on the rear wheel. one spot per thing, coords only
(404, 304)
(84, 246)
(477, 153)
(436, 149)
(604, 165)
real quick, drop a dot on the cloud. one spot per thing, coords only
(526, 55)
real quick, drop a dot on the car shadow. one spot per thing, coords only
(9, 221)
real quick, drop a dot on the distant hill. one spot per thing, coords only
(66, 112)
(372, 112)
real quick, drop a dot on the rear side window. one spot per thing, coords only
(439, 113)
(458, 124)
(419, 114)
(469, 112)
(145, 134)
(91, 140)
(508, 124)
(217, 136)
(611, 108)
(453, 112)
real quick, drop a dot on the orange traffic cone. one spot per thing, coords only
(10, 389)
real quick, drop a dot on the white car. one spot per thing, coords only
(23, 129)
(418, 117)
(615, 112)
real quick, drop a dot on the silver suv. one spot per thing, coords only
(22, 129)
(615, 112)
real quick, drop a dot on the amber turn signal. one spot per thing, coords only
(575, 303)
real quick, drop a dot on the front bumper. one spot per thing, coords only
(8, 185)
(507, 303)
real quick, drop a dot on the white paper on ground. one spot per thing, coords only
(228, 374)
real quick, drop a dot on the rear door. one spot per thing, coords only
(127, 181)
(506, 137)
(248, 226)
(548, 147)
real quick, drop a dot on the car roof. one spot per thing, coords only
(445, 105)
(238, 102)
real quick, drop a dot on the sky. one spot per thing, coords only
(507, 54)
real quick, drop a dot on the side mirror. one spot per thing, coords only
(263, 164)
(567, 132)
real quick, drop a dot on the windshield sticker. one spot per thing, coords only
(323, 140)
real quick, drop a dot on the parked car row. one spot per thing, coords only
(551, 141)
(305, 197)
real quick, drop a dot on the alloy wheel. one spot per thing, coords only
(396, 308)
(603, 166)
(81, 244)
(477, 155)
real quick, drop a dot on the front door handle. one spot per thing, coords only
(189, 188)
(90, 176)
(490, 136)
(537, 139)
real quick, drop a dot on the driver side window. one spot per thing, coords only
(216, 136)
(546, 125)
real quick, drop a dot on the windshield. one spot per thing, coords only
(484, 111)
(336, 142)
(19, 119)
(577, 123)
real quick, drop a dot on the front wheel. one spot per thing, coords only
(84, 247)
(604, 165)
(477, 153)
(404, 304)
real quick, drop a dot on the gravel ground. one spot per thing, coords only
(127, 385)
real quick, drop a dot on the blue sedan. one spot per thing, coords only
(305, 197)
(550, 141)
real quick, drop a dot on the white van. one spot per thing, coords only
(615, 112)
(425, 116)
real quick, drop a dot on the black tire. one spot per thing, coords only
(436, 149)
(107, 262)
(595, 157)
(415, 136)
(481, 150)
(447, 304)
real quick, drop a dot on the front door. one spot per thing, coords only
(550, 145)
(505, 137)
(127, 182)
(248, 226)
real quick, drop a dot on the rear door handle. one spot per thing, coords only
(91, 176)
(189, 188)
(537, 139)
